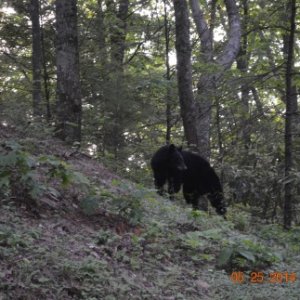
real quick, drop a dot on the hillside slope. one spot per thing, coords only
(125, 242)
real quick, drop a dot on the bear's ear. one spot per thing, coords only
(172, 148)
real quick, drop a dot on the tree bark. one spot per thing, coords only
(68, 78)
(203, 31)
(242, 65)
(257, 101)
(118, 35)
(45, 77)
(101, 40)
(101, 28)
(207, 83)
(115, 102)
(231, 50)
(36, 57)
(188, 106)
(291, 113)
(168, 74)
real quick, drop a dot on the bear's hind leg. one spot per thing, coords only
(195, 198)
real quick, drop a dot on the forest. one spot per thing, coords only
(90, 90)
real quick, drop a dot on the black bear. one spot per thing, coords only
(178, 167)
(167, 164)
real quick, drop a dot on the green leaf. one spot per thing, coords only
(89, 205)
(9, 159)
(224, 257)
(80, 178)
(13, 145)
(214, 233)
(4, 182)
(246, 254)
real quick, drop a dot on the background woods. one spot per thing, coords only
(96, 93)
(103, 73)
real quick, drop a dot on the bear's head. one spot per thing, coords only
(175, 158)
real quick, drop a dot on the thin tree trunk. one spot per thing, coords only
(45, 78)
(118, 35)
(242, 65)
(100, 106)
(68, 79)
(258, 103)
(291, 109)
(168, 75)
(101, 30)
(219, 132)
(188, 106)
(36, 57)
(115, 105)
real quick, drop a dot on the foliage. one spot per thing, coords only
(20, 180)
(58, 169)
(246, 255)
(287, 239)
(241, 220)
(90, 204)
(126, 203)
(129, 243)
(176, 254)
(130, 207)
(136, 102)
(128, 238)
(17, 174)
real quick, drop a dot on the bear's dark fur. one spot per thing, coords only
(167, 164)
(178, 167)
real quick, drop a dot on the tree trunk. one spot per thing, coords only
(115, 103)
(242, 65)
(45, 78)
(259, 105)
(168, 75)
(68, 79)
(118, 36)
(36, 57)
(101, 29)
(189, 109)
(207, 83)
(291, 113)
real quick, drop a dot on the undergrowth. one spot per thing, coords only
(122, 241)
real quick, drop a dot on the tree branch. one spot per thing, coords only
(232, 47)
(21, 65)
(202, 30)
(140, 44)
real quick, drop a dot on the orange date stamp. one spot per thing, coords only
(261, 277)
